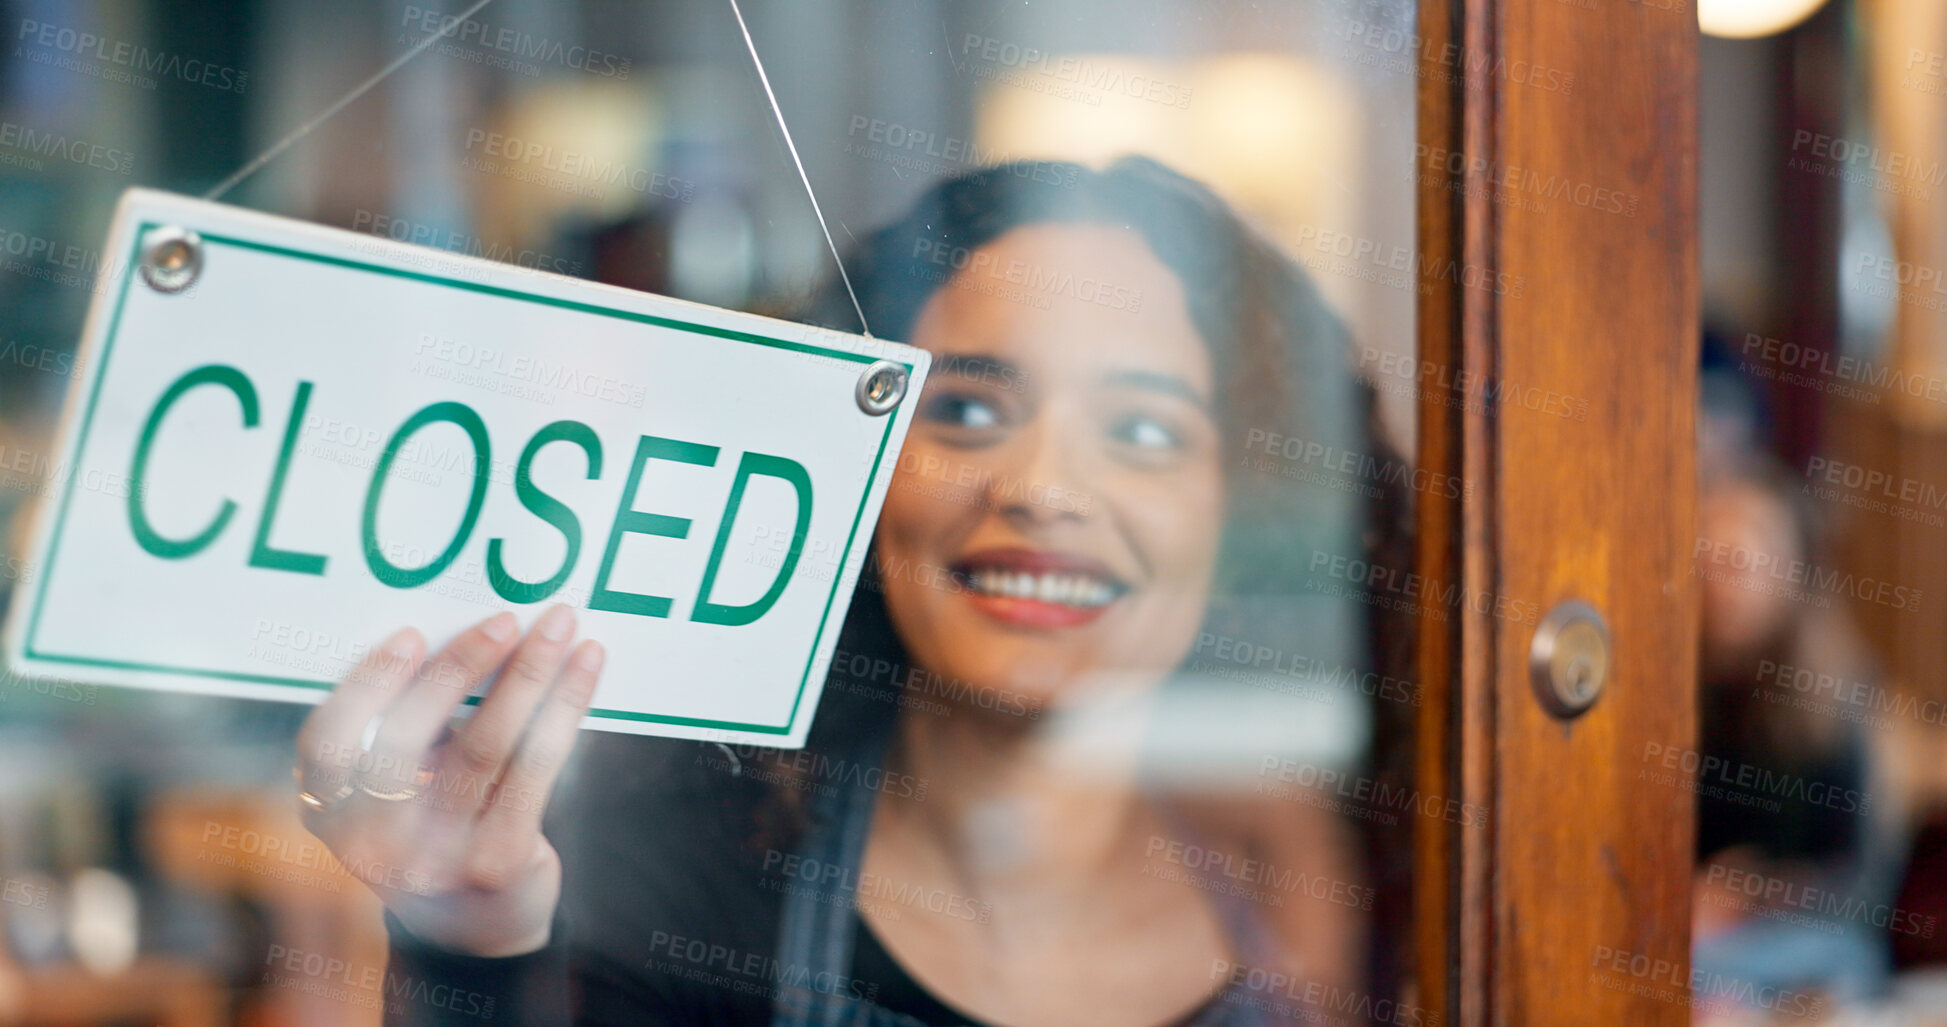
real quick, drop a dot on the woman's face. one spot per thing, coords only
(1055, 517)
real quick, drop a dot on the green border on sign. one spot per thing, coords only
(101, 373)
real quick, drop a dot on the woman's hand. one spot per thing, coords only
(442, 818)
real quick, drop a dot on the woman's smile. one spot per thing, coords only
(1038, 589)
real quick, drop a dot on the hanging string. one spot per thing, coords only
(736, 765)
(751, 45)
(291, 139)
(360, 90)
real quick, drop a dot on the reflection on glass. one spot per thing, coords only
(1115, 731)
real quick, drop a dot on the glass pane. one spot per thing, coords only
(1117, 729)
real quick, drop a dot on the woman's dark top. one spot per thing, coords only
(682, 905)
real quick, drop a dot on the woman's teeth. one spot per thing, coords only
(1068, 589)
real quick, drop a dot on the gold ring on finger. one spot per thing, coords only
(320, 804)
(419, 782)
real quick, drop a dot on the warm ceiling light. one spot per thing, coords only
(1749, 19)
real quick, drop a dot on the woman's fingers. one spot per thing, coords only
(510, 825)
(480, 829)
(414, 720)
(473, 760)
(328, 744)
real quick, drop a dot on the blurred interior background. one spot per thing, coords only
(1824, 392)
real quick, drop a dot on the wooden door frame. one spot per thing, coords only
(1558, 240)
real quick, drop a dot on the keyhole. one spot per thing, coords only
(1579, 678)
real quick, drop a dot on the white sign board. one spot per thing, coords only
(327, 436)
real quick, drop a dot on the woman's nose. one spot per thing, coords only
(1044, 480)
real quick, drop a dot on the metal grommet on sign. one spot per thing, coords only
(1568, 661)
(171, 258)
(881, 388)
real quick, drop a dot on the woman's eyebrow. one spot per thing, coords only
(1157, 381)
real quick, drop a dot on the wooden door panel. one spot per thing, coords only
(1576, 198)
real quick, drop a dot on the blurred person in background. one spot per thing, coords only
(1767, 852)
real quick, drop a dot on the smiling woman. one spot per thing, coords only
(1117, 408)
(976, 832)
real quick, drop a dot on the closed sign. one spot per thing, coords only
(291, 441)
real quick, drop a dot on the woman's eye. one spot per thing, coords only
(1146, 433)
(964, 412)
